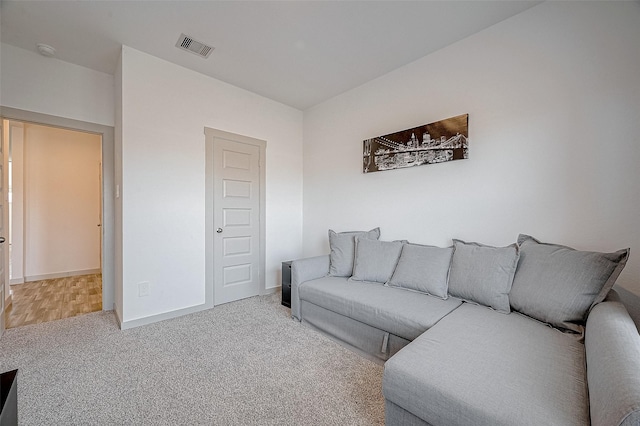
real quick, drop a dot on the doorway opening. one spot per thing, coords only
(55, 222)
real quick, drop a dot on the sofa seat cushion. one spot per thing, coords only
(481, 367)
(403, 313)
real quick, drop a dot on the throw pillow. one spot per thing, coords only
(375, 260)
(559, 285)
(423, 269)
(483, 274)
(343, 248)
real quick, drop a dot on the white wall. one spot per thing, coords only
(554, 101)
(35, 83)
(62, 201)
(165, 109)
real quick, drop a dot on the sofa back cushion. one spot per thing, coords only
(343, 248)
(483, 274)
(375, 260)
(424, 269)
(558, 285)
(612, 346)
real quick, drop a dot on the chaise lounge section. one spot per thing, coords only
(566, 358)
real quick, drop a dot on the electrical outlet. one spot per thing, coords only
(143, 289)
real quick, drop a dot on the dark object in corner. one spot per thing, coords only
(286, 283)
(9, 398)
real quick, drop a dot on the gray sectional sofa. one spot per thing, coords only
(529, 334)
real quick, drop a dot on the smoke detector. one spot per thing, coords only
(196, 47)
(46, 50)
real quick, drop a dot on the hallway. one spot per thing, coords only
(49, 300)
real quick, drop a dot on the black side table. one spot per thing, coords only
(9, 398)
(286, 283)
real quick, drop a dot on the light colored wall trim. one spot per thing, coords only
(108, 212)
(16, 144)
(160, 317)
(271, 290)
(210, 134)
(118, 316)
(32, 278)
(8, 301)
(209, 283)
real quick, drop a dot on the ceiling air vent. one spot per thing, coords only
(190, 45)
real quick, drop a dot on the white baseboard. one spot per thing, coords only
(125, 325)
(118, 316)
(8, 301)
(15, 281)
(31, 278)
(272, 290)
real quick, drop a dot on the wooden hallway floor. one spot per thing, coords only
(49, 300)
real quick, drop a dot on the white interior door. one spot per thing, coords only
(237, 253)
(4, 223)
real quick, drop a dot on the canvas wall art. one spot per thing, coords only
(444, 140)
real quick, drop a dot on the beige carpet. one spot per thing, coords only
(243, 363)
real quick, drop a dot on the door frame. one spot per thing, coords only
(108, 178)
(210, 135)
(4, 190)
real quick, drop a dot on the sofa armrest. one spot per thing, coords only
(612, 347)
(303, 270)
(630, 300)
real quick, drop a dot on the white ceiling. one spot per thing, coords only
(299, 53)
